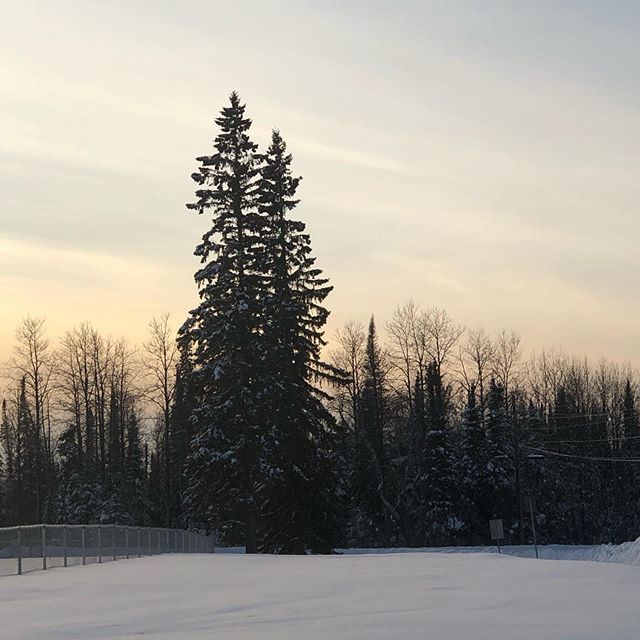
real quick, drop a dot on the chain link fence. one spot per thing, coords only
(44, 546)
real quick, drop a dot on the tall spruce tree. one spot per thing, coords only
(412, 485)
(133, 483)
(27, 483)
(373, 395)
(629, 472)
(3, 492)
(630, 421)
(299, 495)
(438, 467)
(500, 464)
(475, 459)
(80, 494)
(7, 440)
(375, 520)
(181, 431)
(223, 333)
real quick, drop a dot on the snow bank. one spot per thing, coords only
(626, 553)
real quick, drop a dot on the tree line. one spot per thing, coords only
(241, 421)
(446, 427)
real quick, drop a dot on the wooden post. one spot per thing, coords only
(19, 551)
(44, 547)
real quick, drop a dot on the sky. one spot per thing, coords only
(479, 156)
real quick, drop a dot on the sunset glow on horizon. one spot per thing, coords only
(479, 160)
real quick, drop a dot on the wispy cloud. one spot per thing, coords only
(350, 156)
(28, 260)
(448, 155)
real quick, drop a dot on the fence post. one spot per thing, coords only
(166, 549)
(139, 544)
(149, 541)
(113, 541)
(99, 543)
(44, 547)
(184, 548)
(84, 547)
(64, 543)
(126, 540)
(19, 551)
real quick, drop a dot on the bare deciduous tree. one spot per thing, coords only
(407, 348)
(443, 335)
(159, 362)
(506, 361)
(34, 362)
(350, 357)
(475, 358)
(419, 337)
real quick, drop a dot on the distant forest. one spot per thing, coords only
(243, 421)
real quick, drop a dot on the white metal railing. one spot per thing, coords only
(43, 546)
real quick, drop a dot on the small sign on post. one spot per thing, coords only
(530, 502)
(496, 529)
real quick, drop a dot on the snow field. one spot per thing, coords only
(403, 596)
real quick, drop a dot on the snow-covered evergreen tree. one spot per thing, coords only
(373, 396)
(441, 501)
(223, 333)
(500, 463)
(80, 495)
(629, 474)
(3, 489)
(136, 500)
(630, 421)
(412, 485)
(181, 431)
(474, 469)
(27, 478)
(375, 520)
(298, 500)
(7, 442)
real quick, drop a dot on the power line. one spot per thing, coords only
(579, 415)
(609, 440)
(574, 457)
(567, 426)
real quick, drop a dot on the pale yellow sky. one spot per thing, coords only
(476, 156)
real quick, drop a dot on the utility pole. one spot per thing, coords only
(536, 459)
(516, 448)
(533, 524)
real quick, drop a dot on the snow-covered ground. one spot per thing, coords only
(397, 596)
